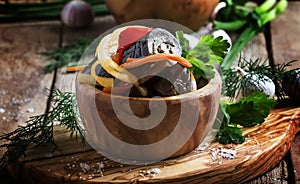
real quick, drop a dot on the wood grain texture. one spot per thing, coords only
(278, 174)
(264, 148)
(99, 26)
(285, 47)
(285, 35)
(23, 82)
(295, 154)
(255, 49)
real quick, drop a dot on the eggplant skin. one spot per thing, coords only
(156, 41)
(291, 84)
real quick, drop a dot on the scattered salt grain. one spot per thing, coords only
(222, 153)
(85, 167)
(2, 92)
(142, 175)
(31, 110)
(48, 155)
(101, 165)
(2, 110)
(202, 147)
(156, 170)
(150, 172)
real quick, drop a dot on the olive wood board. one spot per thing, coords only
(265, 146)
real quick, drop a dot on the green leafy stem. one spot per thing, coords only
(249, 19)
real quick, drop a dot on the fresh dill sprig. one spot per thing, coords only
(71, 53)
(234, 84)
(39, 129)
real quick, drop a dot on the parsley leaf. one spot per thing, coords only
(210, 47)
(251, 110)
(246, 112)
(184, 43)
(205, 55)
(230, 134)
(201, 69)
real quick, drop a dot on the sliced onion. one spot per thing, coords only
(115, 70)
(77, 13)
(118, 72)
(103, 81)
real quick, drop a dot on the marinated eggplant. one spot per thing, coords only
(163, 78)
(156, 41)
(146, 63)
(291, 84)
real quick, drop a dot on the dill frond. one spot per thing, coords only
(39, 129)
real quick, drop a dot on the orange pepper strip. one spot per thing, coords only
(75, 68)
(131, 62)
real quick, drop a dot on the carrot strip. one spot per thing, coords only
(131, 62)
(75, 68)
(128, 60)
(107, 89)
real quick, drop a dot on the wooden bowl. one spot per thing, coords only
(100, 114)
(190, 13)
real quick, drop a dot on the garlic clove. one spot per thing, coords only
(256, 83)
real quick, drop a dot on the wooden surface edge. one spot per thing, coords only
(249, 163)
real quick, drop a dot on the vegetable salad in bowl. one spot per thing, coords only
(147, 93)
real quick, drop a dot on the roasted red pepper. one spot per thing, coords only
(127, 38)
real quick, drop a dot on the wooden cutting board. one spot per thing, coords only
(264, 147)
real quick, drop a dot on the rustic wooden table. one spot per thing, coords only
(23, 83)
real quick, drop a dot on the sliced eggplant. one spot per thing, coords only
(156, 41)
(163, 78)
(291, 84)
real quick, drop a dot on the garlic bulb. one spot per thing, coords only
(256, 83)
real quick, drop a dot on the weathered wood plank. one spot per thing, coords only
(278, 174)
(285, 35)
(99, 26)
(264, 148)
(285, 47)
(295, 154)
(23, 82)
(255, 49)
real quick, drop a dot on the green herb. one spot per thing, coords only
(205, 55)
(246, 112)
(230, 134)
(249, 19)
(39, 129)
(184, 43)
(34, 11)
(66, 55)
(234, 84)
